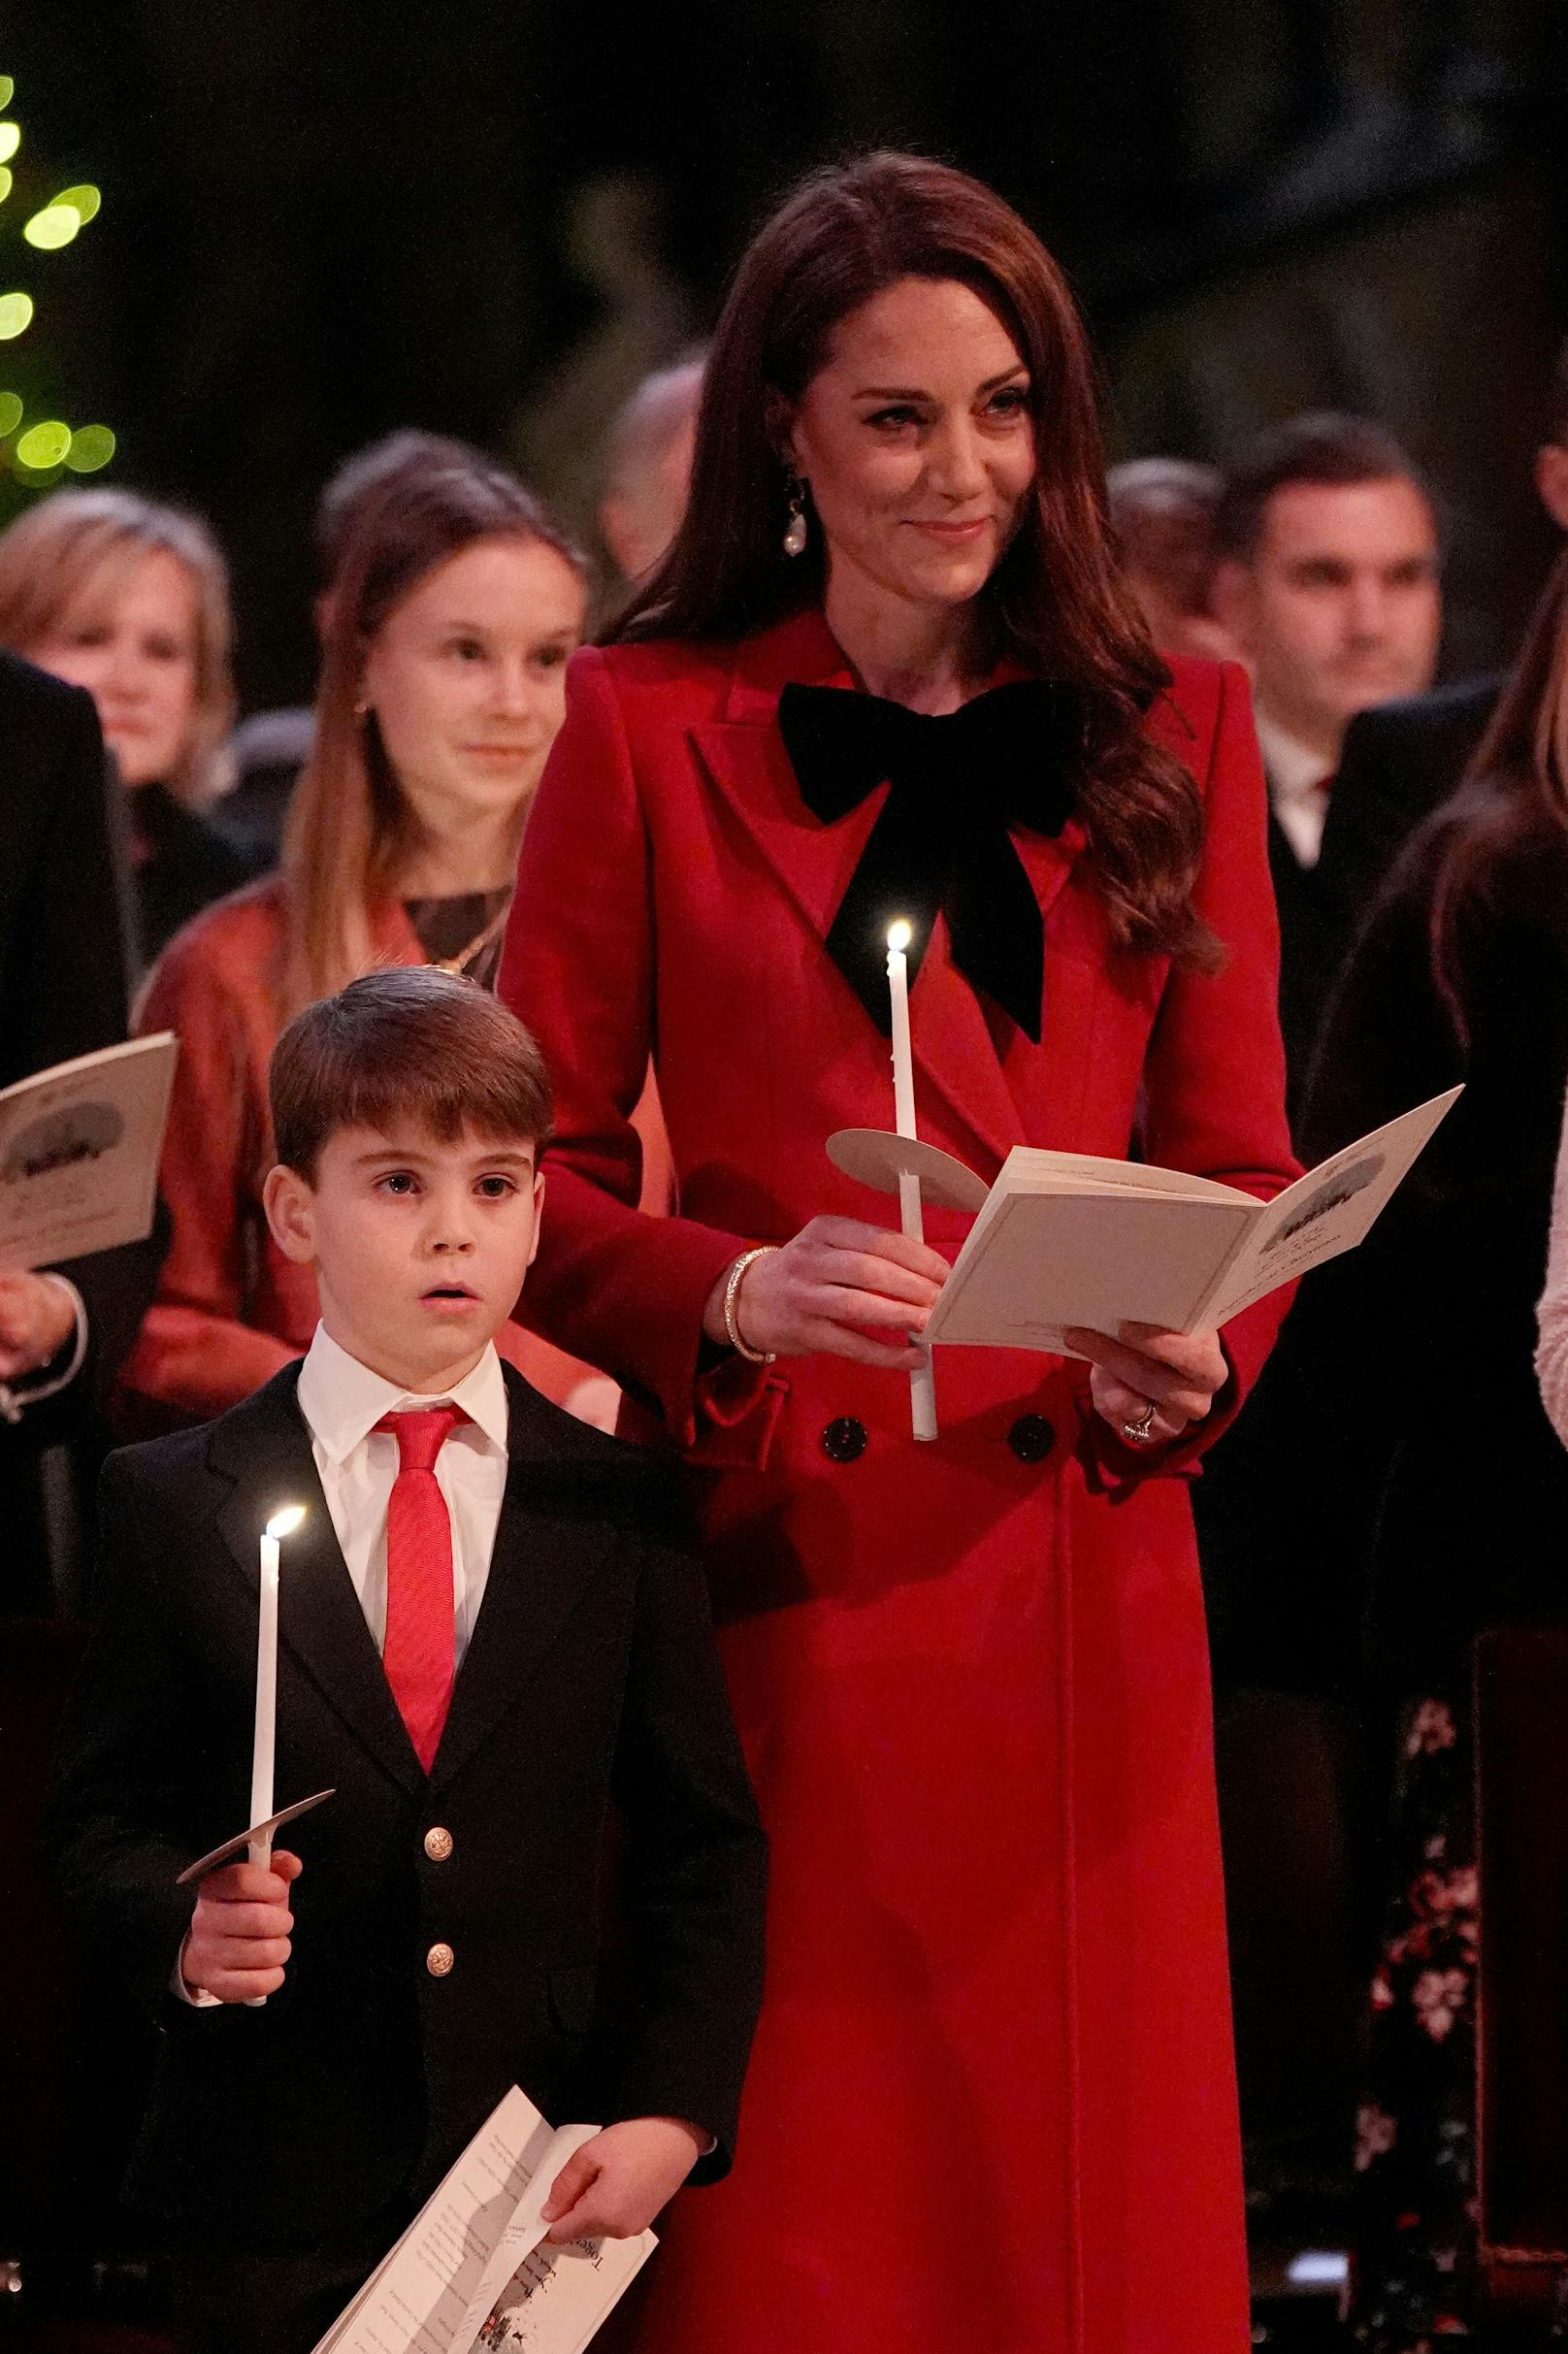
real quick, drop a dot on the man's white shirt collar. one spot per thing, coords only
(343, 1400)
(1296, 774)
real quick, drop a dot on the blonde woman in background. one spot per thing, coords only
(442, 690)
(130, 600)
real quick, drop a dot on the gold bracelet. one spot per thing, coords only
(731, 1295)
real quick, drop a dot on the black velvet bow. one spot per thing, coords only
(957, 783)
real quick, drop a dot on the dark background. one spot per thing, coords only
(321, 221)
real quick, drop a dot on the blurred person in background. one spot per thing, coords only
(130, 600)
(1162, 511)
(1462, 974)
(268, 750)
(64, 986)
(455, 609)
(1400, 759)
(649, 468)
(1328, 583)
(1328, 578)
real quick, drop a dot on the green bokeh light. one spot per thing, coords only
(44, 445)
(84, 201)
(10, 140)
(7, 89)
(91, 446)
(15, 316)
(54, 227)
(10, 413)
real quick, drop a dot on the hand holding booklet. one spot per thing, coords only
(472, 2270)
(1065, 1239)
(79, 1152)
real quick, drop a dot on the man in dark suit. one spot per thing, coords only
(1401, 760)
(491, 1626)
(1328, 582)
(65, 972)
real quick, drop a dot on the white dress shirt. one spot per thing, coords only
(1297, 782)
(341, 1401)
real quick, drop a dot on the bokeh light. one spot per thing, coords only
(16, 315)
(5, 182)
(91, 446)
(54, 227)
(10, 140)
(44, 445)
(10, 413)
(7, 89)
(84, 201)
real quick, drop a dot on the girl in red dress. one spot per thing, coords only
(889, 668)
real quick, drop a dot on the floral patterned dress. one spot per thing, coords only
(1416, 2131)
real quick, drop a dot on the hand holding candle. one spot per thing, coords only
(264, 1746)
(922, 1383)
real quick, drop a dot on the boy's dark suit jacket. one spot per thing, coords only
(591, 1672)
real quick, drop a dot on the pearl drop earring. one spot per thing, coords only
(794, 531)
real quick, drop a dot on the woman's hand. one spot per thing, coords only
(835, 1286)
(1177, 1375)
(36, 1317)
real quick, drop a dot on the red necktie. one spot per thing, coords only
(417, 1654)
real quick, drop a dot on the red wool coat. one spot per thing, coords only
(992, 2105)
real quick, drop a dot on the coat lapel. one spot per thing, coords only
(549, 1541)
(263, 1449)
(744, 757)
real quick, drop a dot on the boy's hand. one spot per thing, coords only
(614, 2185)
(239, 1938)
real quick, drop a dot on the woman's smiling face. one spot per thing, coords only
(917, 441)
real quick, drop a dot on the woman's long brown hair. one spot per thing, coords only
(1515, 786)
(1056, 601)
(347, 826)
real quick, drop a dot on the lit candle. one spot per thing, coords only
(922, 1384)
(281, 1524)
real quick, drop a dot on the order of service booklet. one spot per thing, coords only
(1065, 1239)
(471, 2271)
(79, 1152)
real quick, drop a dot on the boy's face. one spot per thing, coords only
(419, 1247)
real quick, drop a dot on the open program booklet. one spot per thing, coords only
(471, 2269)
(1064, 1238)
(79, 1152)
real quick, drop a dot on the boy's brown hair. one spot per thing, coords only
(410, 1043)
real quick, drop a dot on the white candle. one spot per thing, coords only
(281, 1524)
(265, 1739)
(922, 1384)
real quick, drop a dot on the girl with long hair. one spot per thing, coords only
(1460, 974)
(130, 600)
(442, 691)
(889, 668)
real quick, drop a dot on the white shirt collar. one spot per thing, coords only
(343, 1400)
(1295, 770)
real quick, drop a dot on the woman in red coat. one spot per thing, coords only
(889, 668)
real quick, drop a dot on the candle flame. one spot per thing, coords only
(284, 1523)
(900, 935)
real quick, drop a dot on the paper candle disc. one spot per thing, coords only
(871, 1155)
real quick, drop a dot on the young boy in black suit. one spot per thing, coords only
(490, 1627)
